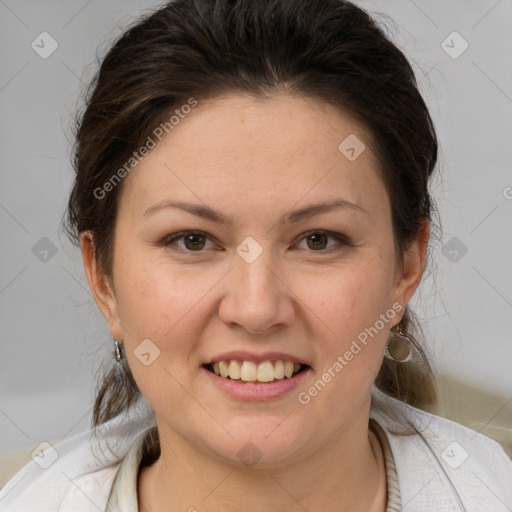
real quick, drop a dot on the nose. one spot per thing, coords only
(256, 296)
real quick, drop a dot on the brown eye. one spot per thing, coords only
(186, 241)
(318, 241)
(194, 242)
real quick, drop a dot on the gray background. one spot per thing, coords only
(53, 339)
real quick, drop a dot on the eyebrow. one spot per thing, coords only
(208, 213)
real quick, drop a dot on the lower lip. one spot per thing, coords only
(256, 391)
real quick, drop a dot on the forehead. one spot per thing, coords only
(239, 149)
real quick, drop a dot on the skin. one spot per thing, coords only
(255, 160)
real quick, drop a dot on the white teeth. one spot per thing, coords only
(224, 369)
(248, 371)
(279, 370)
(234, 370)
(265, 372)
(288, 369)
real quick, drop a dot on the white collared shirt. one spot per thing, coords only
(441, 467)
(123, 495)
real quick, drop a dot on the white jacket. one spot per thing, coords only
(444, 467)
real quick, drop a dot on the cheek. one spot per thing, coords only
(354, 308)
(354, 297)
(167, 304)
(162, 315)
(154, 300)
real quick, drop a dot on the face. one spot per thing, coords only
(251, 269)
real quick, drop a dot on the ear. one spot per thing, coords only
(409, 274)
(100, 285)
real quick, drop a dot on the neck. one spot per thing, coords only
(347, 474)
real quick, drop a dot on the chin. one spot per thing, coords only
(261, 444)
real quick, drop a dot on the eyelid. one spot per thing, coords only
(171, 240)
(339, 237)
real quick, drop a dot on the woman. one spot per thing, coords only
(252, 206)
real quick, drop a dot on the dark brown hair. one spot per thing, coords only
(330, 50)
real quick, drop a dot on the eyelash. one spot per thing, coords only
(170, 242)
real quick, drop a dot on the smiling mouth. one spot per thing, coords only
(248, 371)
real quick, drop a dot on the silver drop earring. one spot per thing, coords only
(118, 351)
(399, 346)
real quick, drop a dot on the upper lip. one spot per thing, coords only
(243, 355)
